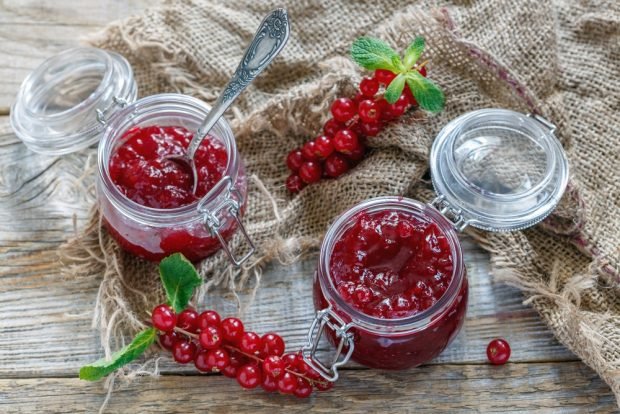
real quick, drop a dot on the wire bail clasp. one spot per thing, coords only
(328, 318)
(231, 203)
(454, 215)
(116, 102)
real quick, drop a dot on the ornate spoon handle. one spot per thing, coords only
(270, 38)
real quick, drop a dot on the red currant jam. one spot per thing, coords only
(141, 172)
(393, 273)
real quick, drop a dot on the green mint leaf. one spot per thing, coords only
(179, 278)
(395, 89)
(124, 356)
(413, 52)
(428, 95)
(372, 54)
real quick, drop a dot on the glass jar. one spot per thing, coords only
(197, 230)
(85, 95)
(494, 169)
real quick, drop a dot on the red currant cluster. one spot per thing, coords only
(341, 146)
(216, 345)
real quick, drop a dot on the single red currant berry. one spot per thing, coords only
(369, 87)
(323, 146)
(300, 364)
(399, 107)
(309, 152)
(184, 351)
(498, 351)
(269, 384)
(188, 320)
(232, 329)
(290, 360)
(358, 98)
(343, 109)
(345, 141)
(369, 111)
(294, 159)
(422, 71)
(208, 318)
(230, 371)
(357, 154)
(331, 127)
(218, 359)
(372, 130)
(384, 77)
(323, 385)
(249, 376)
(310, 172)
(163, 318)
(211, 337)
(167, 340)
(336, 165)
(294, 183)
(287, 383)
(200, 361)
(250, 343)
(272, 344)
(304, 389)
(274, 366)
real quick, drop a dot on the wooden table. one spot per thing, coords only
(45, 333)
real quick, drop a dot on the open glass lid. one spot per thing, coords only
(498, 170)
(62, 105)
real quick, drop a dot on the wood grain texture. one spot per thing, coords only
(45, 332)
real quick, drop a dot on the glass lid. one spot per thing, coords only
(499, 169)
(62, 105)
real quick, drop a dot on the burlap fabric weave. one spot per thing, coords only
(559, 58)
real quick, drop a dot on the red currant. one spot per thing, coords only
(272, 344)
(249, 376)
(369, 111)
(294, 183)
(323, 146)
(343, 109)
(167, 340)
(310, 172)
(498, 351)
(358, 154)
(269, 384)
(200, 361)
(250, 343)
(410, 98)
(331, 127)
(422, 71)
(208, 318)
(369, 87)
(188, 320)
(164, 318)
(345, 141)
(323, 384)
(290, 360)
(309, 152)
(294, 159)
(218, 359)
(184, 351)
(373, 129)
(274, 366)
(230, 371)
(304, 389)
(211, 337)
(287, 383)
(232, 329)
(336, 165)
(236, 360)
(384, 77)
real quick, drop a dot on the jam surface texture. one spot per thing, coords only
(391, 264)
(141, 173)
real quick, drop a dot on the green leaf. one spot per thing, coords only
(413, 52)
(372, 54)
(124, 356)
(428, 95)
(179, 277)
(395, 89)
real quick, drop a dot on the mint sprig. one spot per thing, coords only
(180, 279)
(373, 54)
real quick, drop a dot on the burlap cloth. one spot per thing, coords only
(559, 58)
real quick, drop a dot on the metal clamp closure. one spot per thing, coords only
(229, 202)
(328, 318)
(454, 215)
(101, 113)
(541, 120)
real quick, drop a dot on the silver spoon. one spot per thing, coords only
(269, 40)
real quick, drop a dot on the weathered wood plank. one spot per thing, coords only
(442, 388)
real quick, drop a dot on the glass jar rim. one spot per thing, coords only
(153, 104)
(409, 323)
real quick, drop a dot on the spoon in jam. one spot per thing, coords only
(269, 40)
